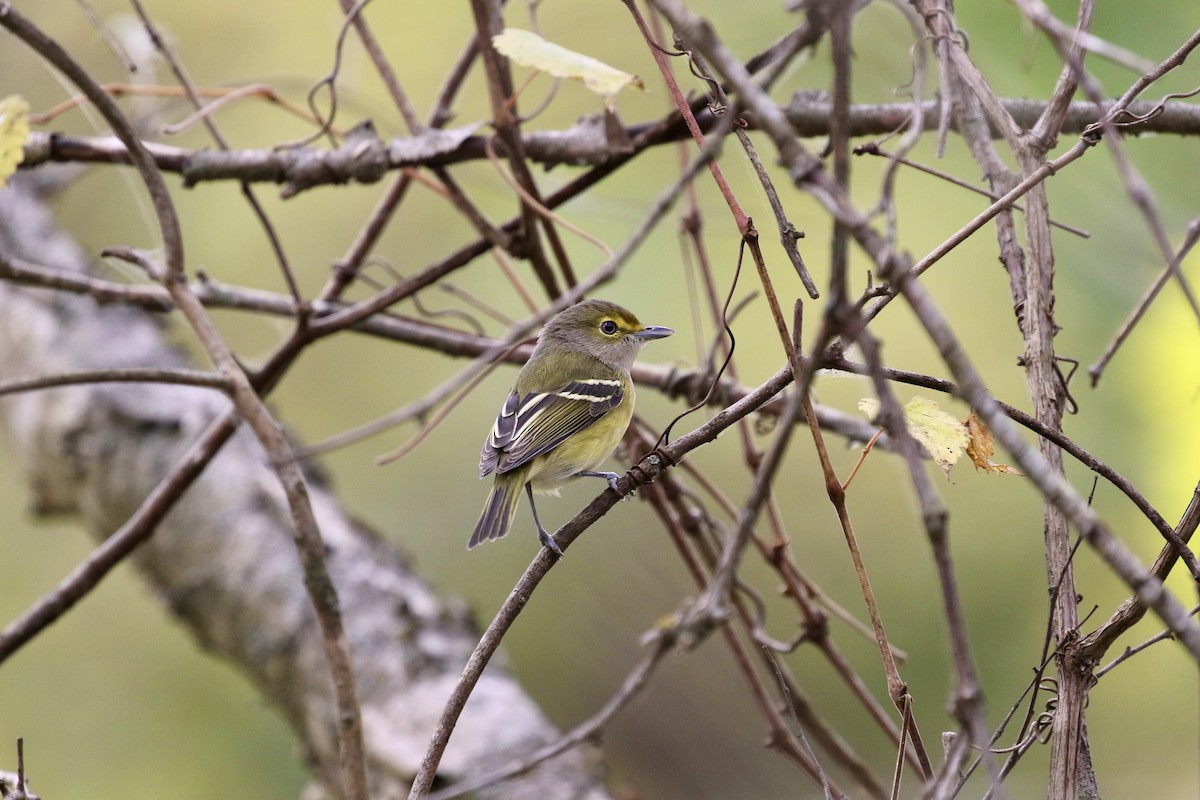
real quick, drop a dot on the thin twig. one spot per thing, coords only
(873, 149)
(1135, 316)
(635, 682)
(643, 472)
(1052, 485)
(182, 377)
(1130, 652)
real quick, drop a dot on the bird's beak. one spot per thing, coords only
(652, 332)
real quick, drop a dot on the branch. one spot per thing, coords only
(365, 159)
(641, 473)
(675, 383)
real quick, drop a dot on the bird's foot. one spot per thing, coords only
(611, 477)
(548, 542)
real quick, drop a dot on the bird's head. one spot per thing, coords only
(603, 330)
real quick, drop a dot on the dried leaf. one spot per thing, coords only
(14, 131)
(531, 50)
(943, 437)
(981, 447)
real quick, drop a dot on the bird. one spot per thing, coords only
(566, 413)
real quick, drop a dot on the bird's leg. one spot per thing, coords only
(543, 537)
(611, 477)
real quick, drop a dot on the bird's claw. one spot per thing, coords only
(548, 542)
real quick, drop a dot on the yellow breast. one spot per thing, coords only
(585, 450)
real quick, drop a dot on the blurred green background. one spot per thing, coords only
(114, 698)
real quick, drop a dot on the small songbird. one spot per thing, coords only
(569, 409)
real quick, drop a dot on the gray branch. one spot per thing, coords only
(365, 158)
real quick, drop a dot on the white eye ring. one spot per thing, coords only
(608, 326)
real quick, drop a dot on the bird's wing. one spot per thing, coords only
(536, 423)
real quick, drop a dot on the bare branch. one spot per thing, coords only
(365, 159)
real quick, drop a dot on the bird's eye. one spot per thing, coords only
(608, 326)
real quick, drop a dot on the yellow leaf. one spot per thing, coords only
(943, 437)
(530, 50)
(14, 131)
(981, 447)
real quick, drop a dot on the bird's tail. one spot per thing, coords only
(499, 511)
